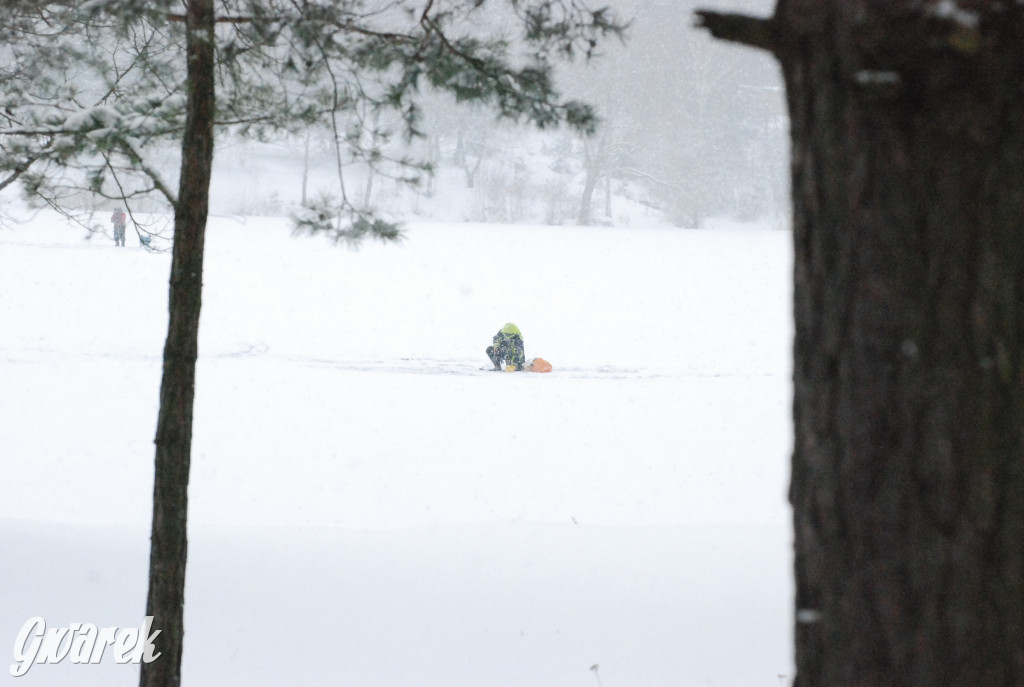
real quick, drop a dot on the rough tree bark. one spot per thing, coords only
(908, 473)
(169, 543)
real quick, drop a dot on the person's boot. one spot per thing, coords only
(492, 354)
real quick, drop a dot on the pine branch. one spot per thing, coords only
(158, 183)
(221, 20)
(15, 173)
(739, 28)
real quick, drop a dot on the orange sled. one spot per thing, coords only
(538, 365)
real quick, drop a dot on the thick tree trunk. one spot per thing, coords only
(168, 546)
(908, 469)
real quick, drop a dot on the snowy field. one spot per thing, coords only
(369, 508)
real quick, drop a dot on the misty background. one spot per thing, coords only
(692, 129)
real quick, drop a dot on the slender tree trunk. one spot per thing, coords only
(305, 167)
(460, 148)
(608, 197)
(586, 200)
(908, 466)
(462, 159)
(368, 188)
(370, 172)
(592, 168)
(169, 544)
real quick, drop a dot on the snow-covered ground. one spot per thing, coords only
(369, 508)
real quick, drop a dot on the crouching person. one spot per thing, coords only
(507, 349)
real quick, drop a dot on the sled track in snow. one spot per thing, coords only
(393, 366)
(427, 366)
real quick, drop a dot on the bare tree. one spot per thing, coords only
(603, 156)
(908, 466)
